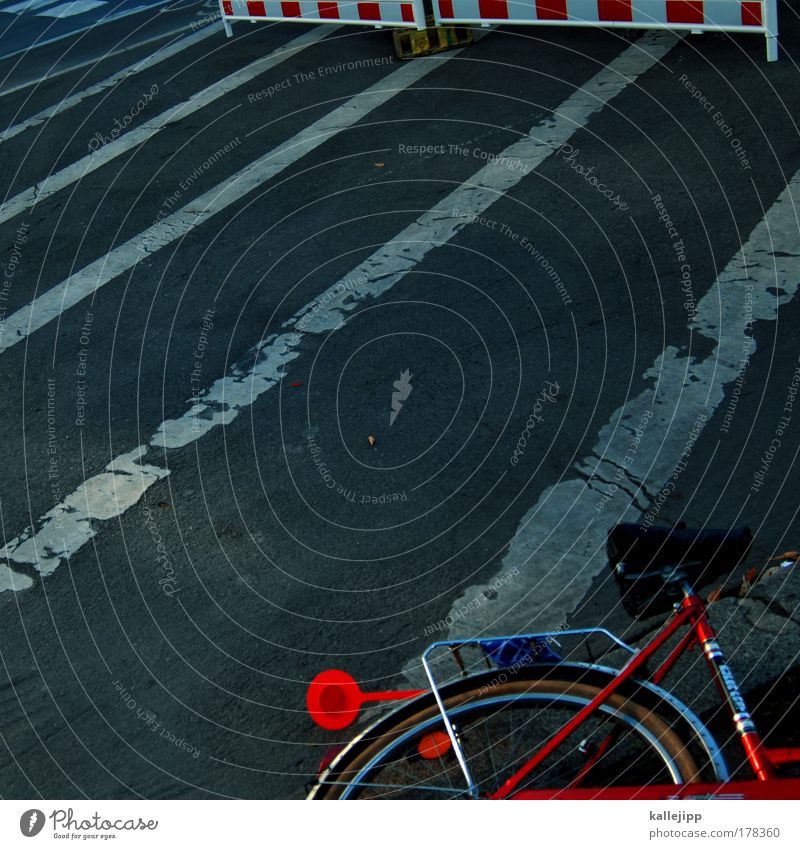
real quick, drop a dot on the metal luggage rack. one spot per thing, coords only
(494, 653)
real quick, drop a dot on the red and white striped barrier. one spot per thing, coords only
(385, 13)
(751, 16)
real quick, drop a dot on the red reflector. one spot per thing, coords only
(434, 745)
(334, 699)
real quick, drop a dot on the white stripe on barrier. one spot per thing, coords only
(376, 13)
(746, 16)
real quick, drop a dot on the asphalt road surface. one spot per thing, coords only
(309, 354)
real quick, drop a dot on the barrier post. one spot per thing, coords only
(771, 23)
(225, 22)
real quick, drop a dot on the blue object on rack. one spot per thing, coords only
(520, 651)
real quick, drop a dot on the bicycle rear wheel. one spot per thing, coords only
(501, 719)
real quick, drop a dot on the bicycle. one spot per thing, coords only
(511, 731)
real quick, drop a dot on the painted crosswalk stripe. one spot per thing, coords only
(59, 180)
(559, 546)
(44, 547)
(71, 8)
(86, 282)
(109, 82)
(28, 6)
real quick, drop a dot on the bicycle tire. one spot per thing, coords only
(385, 761)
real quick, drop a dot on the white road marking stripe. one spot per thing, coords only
(71, 8)
(109, 82)
(162, 36)
(68, 526)
(559, 546)
(28, 6)
(264, 367)
(86, 282)
(91, 162)
(11, 580)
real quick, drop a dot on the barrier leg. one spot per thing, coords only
(225, 22)
(771, 23)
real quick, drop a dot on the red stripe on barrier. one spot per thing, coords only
(256, 8)
(685, 12)
(328, 10)
(369, 11)
(551, 10)
(751, 15)
(446, 8)
(407, 11)
(227, 7)
(493, 9)
(615, 10)
(291, 10)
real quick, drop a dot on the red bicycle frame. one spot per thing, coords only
(763, 760)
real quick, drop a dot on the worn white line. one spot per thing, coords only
(263, 368)
(73, 32)
(70, 8)
(109, 82)
(133, 138)
(68, 526)
(559, 546)
(40, 81)
(27, 6)
(88, 280)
